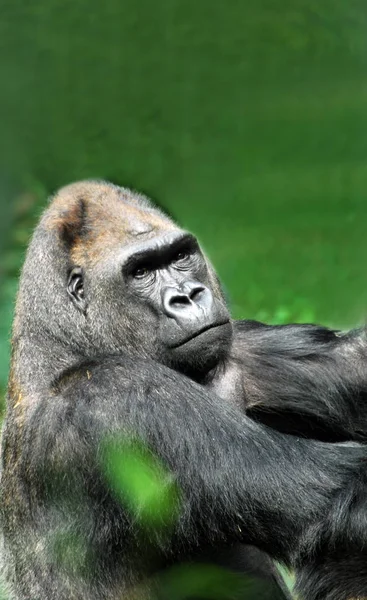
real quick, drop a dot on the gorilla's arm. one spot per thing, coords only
(304, 379)
(239, 481)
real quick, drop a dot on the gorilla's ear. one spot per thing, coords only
(76, 288)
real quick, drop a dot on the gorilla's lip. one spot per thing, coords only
(199, 332)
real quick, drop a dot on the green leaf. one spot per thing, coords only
(141, 482)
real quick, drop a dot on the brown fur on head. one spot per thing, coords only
(94, 217)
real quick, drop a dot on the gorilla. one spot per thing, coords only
(121, 328)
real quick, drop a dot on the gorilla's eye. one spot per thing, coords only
(181, 256)
(140, 272)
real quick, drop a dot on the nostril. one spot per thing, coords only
(179, 300)
(196, 292)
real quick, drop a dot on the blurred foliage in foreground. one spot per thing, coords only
(149, 493)
(141, 482)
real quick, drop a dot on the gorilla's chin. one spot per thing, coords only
(202, 353)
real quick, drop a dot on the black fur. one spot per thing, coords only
(304, 379)
(80, 376)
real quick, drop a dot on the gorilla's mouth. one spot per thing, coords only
(200, 332)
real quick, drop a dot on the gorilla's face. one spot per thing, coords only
(158, 298)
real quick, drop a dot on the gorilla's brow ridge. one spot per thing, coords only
(160, 249)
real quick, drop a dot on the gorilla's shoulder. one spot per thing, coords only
(115, 374)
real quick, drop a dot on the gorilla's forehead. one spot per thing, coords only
(97, 217)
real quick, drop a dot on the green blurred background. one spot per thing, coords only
(246, 119)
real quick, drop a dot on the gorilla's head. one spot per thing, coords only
(114, 274)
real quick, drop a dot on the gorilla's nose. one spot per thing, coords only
(189, 301)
